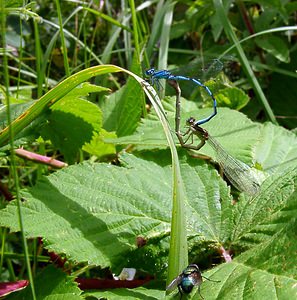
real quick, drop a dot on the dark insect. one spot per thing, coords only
(187, 280)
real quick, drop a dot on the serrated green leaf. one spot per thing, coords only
(94, 212)
(67, 132)
(228, 127)
(277, 148)
(73, 121)
(75, 103)
(122, 109)
(52, 284)
(275, 46)
(132, 294)
(238, 281)
(232, 97)
(55, 94)
(271, 246)
(269, 211)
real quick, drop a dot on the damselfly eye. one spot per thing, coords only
(150, 71)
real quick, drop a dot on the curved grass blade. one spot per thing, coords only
(178, 253)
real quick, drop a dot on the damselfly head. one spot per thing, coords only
(191, 121)
(150, 72)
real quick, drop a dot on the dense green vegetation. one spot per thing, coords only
(93, 178)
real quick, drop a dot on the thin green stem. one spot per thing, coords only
(135, 27)
(3, 237)
(20, 58)
(38, 54)
(64, 48)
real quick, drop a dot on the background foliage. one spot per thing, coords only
(111, 205)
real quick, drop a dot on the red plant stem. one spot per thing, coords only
(5, 191)
(225, 254)
(9, 287)
(40, 158)
(245, 16)
(94, 283)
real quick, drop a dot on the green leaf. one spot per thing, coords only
(13, 3)
(94, 212)
(67, 132)
(55, 94)
(15, 111)
(272, 246)
(232, 97)
(262, 217)
(122, 109)
(281, 92)
(31, 132)
(277, 148)
(73, 121)
(98, 147)
(75, 103)
(228, 127)
(238, 281)
(128, 294)
(52, 284)
(275, 46)
(179, 29)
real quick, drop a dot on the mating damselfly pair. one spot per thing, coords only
(238, 173)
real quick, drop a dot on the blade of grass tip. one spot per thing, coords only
(243, 60)
(64, 48)
(12, 155)
(164, 39)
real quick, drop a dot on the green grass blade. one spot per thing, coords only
(263, 32)
(165, 37)
(107, 18)
(64, 48)
(243, 59)
(178, 252)
(135, 27)
(178, 246)
(40, 75)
